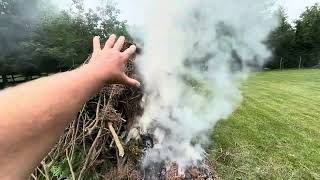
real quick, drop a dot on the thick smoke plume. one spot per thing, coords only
(196, 54)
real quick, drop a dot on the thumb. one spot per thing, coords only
(131, 82)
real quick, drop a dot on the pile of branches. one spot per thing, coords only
(92, 147)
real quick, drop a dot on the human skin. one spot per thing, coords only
(34, 115)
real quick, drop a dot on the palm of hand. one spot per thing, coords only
(109, 62)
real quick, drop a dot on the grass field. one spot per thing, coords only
(275, 134)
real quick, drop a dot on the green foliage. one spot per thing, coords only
(65, 39)
(60, 170)
(37, 38)
(290, 42)
(281, 42)
(16, 27)
(308, 35)
(56, 42)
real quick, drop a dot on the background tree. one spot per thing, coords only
(17, 18)
(301, 39)
(64, 40)
(308, 36)
(35, 38)
(281, 42)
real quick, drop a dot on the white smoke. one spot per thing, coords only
(196, 54)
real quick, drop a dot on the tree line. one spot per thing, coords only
(298, 44)
(37, 38)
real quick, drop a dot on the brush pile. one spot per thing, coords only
(93, 145)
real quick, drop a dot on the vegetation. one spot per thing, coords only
(15, 28)
(294, 42)
(37, 39)
(275, 134)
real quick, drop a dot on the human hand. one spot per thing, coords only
(109, 63)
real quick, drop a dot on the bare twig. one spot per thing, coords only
(45, 170)
(96, 121)
(70, 165)
(83, 133)
(116, 139)
(41, 172)
(119, 128)
(74, 138)
(84, 168)
(34, 177)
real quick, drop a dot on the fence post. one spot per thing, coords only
(4, 79)
(281, 63)
(300, 62)
(13, 79)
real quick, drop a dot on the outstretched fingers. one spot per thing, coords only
(131, 82)
(112, 54)
(120, 43)
(96, 44)
(129, 52)
(110, 42)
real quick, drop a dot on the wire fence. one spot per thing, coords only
(17, 79)
(297, 63)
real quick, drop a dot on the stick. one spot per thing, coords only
(42, 173)
(84, 168)
(34, 177)
(70, 165)
(116, 139)
(95, 124)
(45, 170)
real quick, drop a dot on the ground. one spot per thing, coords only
(275, 134)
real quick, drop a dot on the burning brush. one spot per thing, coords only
(139, 144)
(163, 171)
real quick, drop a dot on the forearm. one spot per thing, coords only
(33, 115)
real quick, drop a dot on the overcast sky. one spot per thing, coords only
(133, 12)
(296, 7)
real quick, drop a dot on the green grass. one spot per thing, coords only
(275, 134)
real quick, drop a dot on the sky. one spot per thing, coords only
(133, 13)
(132, 10)
(295, 8)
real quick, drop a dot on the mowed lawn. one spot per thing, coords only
(275, 134)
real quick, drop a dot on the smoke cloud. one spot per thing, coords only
(196, 55)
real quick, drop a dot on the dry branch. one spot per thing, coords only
(84, 168)
(84, 145)
(116, 139)
(45, 170)
(70, 165)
